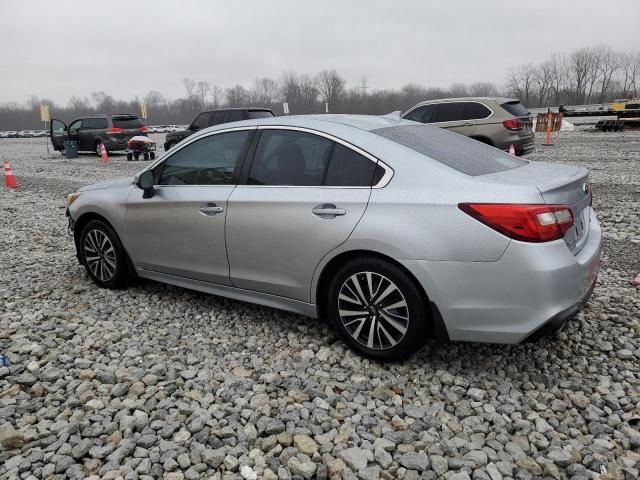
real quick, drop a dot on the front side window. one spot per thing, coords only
(289, 157)
(423, 114)
(75, 126)
(210, 160)
(201, 121)
(450, 112)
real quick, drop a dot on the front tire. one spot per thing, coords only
(378, 309)
(103, 255)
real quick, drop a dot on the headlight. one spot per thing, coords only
(72, 197)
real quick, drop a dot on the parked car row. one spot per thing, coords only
(23, 134)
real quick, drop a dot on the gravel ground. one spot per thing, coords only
(161, 382)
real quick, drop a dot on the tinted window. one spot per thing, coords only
(201, 121)
(516, 109)
(288, 157)
(424, 114)
(75, 125)
(235, 115)
(127, 122)
(456, 151)
(94, 123)
(216, 118)
(208, 161)
(259, 114)
(349, 169)
(475, 111)
(450, 112)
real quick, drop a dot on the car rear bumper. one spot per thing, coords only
(524, 143)
(531, 291)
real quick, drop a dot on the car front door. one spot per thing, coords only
(180, 230)
(291, 209)
(74, 131)
(58, 134)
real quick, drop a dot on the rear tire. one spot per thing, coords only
(103, 255)
(378, 309)
(99, 148)
(169, 145)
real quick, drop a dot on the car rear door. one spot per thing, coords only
(180, 231)
(292, 209)
(58, 134)
(450, 115)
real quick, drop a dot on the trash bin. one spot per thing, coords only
(71, 149)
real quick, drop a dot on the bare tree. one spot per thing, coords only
(264, 92)
(237, 96)
(331, 86)
(483, 89)
(202, 91)
(189, 86)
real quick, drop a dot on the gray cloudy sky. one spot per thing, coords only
(56, 49)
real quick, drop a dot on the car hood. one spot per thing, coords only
(124, 182)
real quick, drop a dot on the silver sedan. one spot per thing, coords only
(393, 231)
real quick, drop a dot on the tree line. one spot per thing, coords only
(588, 75)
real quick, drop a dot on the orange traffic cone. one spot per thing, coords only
(512, 149)
(636, 281)
(104, 158)
(9, 179)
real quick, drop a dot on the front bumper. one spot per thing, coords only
(509, 300)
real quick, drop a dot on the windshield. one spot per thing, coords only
(453, 150)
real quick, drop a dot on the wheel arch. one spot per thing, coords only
(80, 224)
(436, 323)
(483, 139)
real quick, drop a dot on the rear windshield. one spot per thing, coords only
(516, 109)
(453, 150)
(127, 122)
(251, 114)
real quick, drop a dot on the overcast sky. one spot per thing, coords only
(57, 49)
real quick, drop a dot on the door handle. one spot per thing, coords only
(328, 210)
(210, 209)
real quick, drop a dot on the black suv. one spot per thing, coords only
(216, 117)
(92, 132)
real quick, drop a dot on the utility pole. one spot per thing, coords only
(363, 87)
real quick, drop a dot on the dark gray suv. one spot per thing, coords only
(496, 121)
(93, 131)
(216, 117)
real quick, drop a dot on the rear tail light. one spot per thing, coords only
(525, 222)
(114, 130)
(144, 129)
(513, 124)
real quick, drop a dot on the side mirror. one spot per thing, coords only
(145, 182)
(194, 128)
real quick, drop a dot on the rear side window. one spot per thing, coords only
(423, 114)
(475, 111)
(94, 123)
(251, 114)
(456, 151)
(126, 122)
(450, 112)
(289, 157)
(516, 109)
(216, 118)
(349, 169)
(235, 115)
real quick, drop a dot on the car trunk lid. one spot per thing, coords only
(558, 184)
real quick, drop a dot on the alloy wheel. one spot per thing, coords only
(373, 310)
(100, 255)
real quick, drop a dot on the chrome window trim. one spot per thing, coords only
(383, 182)
(453, 101)
(189, 141)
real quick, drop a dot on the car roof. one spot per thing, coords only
(360, 122)
(263, 109)
(499, 100)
